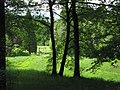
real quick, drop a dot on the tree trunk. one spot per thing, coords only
(54, 71)
(76, 39)
(32, 42)
(2, 46)
(67, 40)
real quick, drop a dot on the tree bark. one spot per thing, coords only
(54, 71)
(76, 39)
(67, 40)
(2, 46)
(32, 48)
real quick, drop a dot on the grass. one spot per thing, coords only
(106, 71)
(29, 73)
(27, 62)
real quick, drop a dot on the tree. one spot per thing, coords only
(19, 23)
(109, 51)
(21, 27)
(2, 45)
(51, 3)
(67, 39)
(76, 39)
(2, 35)
(31, 37)
(99, 32)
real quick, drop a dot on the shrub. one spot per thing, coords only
(18, 51)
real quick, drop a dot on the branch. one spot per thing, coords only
(41, 21)
(60, 16)
(63, 18)
(44, 23)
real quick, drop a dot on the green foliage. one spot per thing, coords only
(99, 35)
(18, 51)
(49, 65)
(42, 35)
(25, 32)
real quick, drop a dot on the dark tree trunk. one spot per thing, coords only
(76, 39)
(32, 42)
(54, 71)
(67, 40)
(2, 46)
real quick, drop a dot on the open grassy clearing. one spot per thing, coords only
(29, 73)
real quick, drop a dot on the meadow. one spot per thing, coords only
(29, 73)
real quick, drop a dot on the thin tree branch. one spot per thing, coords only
(60, 16)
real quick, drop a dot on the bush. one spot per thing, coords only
(17, 51)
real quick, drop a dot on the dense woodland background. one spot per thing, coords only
(84, 30)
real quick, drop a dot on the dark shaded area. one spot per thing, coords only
(2, 46)
(35, 80)
(2, 35)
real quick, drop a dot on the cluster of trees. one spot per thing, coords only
(84, 30)
(91, 27)
(23, 29)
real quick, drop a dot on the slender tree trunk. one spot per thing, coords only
(67, 40)
(2, 46)
(54, 71)
(76, 39)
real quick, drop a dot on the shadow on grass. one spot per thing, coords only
(36, 80)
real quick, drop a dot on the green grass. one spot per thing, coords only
(106, 71)
(27, 63)
(29, 73)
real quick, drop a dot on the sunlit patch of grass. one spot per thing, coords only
(39, 63)
(29, 62)
(29, 73)
(105, 71)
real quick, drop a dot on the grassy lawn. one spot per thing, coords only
(29, 73)
(106, 71)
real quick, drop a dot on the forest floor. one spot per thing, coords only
(29, 73)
